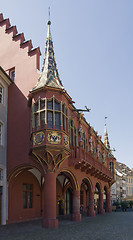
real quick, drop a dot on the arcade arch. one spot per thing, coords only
(25, 193)
(87, 197)
(98, 198)
(66, 185)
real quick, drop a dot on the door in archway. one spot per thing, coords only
(60, 207)
(68, 202)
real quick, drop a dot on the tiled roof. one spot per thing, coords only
(49, 75)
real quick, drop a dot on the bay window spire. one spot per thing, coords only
(49, 75)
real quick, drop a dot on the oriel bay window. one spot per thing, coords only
(51, 112)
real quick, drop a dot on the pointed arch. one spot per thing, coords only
(14, 172)
(72, 177)
(90, 183)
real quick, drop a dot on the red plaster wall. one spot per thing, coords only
(12, 54)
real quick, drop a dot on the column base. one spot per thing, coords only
(91, 213)
(109, 209)
(50, 223)
(76, 217)
(101, 211)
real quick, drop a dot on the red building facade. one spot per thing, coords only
(56, 162)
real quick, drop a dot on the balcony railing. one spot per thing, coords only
(78, 154)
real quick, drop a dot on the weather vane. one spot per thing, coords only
(49, 13)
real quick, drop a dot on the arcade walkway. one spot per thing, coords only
(116, 225)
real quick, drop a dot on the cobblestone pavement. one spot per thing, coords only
(110, 226)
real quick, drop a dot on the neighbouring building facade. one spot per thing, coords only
(56, 163)
(122, 189)
(128, 178)
(5, 82)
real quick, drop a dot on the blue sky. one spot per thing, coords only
(93, 43)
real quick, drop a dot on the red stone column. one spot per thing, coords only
(108, 202)
(76, 216)
(49, 218)
(91, 211)
(100, 207)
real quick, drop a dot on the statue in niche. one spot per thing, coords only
(91, 144)
(80, 130)
(98, 152)
(103, 157)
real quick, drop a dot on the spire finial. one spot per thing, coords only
(105, 120)
(49, 22)
(106, 140)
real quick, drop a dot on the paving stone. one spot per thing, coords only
(110, 226)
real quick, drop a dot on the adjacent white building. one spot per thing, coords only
(5, 82)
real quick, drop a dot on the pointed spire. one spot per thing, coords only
(49, 75)
(49, 31)
(106, 139)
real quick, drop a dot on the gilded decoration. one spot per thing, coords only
(54, 137)
(49, 161)
(39, 137)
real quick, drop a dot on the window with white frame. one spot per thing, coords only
(12, 74)
(1, 94)
(1, 133)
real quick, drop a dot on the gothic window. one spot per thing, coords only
(50, 105)
(72, 133)
(57, 112)
(1, 94)
(39, 113)
(27, 196)
(111, 167)
(65, 117)
(54, 113)
(50, 112)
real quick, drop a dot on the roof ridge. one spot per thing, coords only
(20, 36)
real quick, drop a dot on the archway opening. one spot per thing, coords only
(65, 185)
(68, 201)
(25, 194)
(105, 198)
(85, 191)
(97, 197)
